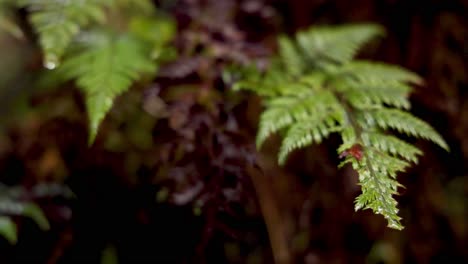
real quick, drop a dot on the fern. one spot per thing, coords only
(13, 204)
(104, 61)
(57, 22)
(316, 87)
(105, 70)
(335, 44)
(8, 229)
(404, 122)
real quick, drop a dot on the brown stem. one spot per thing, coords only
(271, 214)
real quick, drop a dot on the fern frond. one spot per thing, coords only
(284, 111)
(377, 193)
(392, 145)
(380, 96)
(315, 88)
(369, 98)
(404, 122)
(291, 57)
(105, 71)
(308, 131)
(383, 163)
(265, 85)
(363, 96)
(156, 30)
(339, 43)
(377, 172)
(8, 229)
(372, 73)
(58, 21)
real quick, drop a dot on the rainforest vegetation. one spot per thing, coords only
(223, 131)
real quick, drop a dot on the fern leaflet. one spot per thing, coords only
(336, 44)
(106, 71)
(57, 22)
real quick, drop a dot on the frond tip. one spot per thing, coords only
(316, 88)
(337, 43)
(105, 71)
(58, 22)
(404, 122)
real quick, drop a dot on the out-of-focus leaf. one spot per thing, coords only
(155, 30)
(58, 22)
(8, 229)
(35, 212)
(105, 71)
(7, 23)
(137, 6)
(109, 255)
(51, 190)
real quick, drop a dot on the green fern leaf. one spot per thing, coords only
(377, 194)
(363, 95)
(370, 98)
(284, 111)
(385, 164)
(377, 173)
(308, 131)
(267, 85)
(372, 73)
(105, 71)
(8, 229)
(271, 121)
(291, 57)
(57, 22)
(339, 43)
(392, 145)
(405, 123)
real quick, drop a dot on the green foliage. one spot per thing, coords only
(335, 44)
(7, 19)
(105, 70)
(57, 22)
(316, 88)
(105, 45)
(11, 204)
(8, 229)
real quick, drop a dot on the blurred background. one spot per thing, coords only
(174, 177)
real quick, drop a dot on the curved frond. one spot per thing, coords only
(265, 85)
(284, 111)
(291, 57)
(306, 132)
(377, 174)
(8, 229)
(392, 145)
(338, 43)
(104, 72)
(404, 122)
(57, 22)
(364, 96)
(377, 194)
(372, 73)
